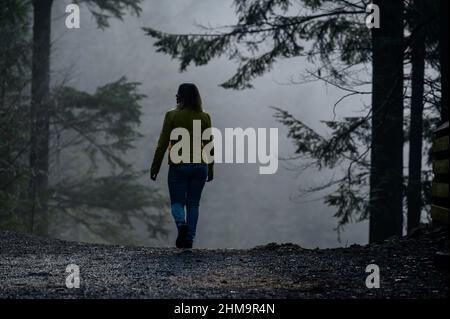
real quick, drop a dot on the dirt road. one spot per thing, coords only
(34, 267)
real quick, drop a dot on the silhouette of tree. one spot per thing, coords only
(40, 95)
(14, 79)
(90, 187)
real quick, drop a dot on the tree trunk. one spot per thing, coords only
(414, 191)
(39, 113)
(386, 176)
(443, 47)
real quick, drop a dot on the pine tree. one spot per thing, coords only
(40, 95)
(92, 190)
(93, 131)
(443, 50)
(414, 197)
(386, 176)
(14, 79)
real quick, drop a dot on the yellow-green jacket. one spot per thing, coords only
(179, 118)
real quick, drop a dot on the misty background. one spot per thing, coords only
(240, 208)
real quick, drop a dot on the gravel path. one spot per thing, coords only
(34, 267)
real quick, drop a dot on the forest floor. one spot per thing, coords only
(35, 267)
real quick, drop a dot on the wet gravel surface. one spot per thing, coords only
(35, 267)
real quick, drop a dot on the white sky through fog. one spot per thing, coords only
(240, 208)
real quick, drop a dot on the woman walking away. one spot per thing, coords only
(186, 177)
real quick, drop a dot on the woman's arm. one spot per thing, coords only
(163, 143)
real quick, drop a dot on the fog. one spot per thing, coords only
(240, 208)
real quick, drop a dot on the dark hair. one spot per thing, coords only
(188, 97)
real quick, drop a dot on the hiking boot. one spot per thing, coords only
(187, 248)
(181, 239)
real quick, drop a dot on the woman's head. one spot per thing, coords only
(188, 97)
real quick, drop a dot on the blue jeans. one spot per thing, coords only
(186, 182)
